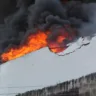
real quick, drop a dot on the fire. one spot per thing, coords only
(56, 48)
(60, 39)
(33, 42)
(36, 41)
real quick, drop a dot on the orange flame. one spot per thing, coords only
(35, 42)
(56, 48)
(58, 44)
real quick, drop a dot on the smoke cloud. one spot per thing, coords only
(27, 16)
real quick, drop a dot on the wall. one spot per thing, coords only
(84, 86)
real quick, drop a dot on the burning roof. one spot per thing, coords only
(44, 23)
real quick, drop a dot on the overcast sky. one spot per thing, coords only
(43, 68)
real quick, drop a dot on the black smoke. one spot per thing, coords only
(20, 17)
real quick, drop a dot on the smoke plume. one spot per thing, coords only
(28, 16)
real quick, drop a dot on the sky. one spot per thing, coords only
(43, 68)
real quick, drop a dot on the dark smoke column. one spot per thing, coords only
(53, 6)
(7, 7)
